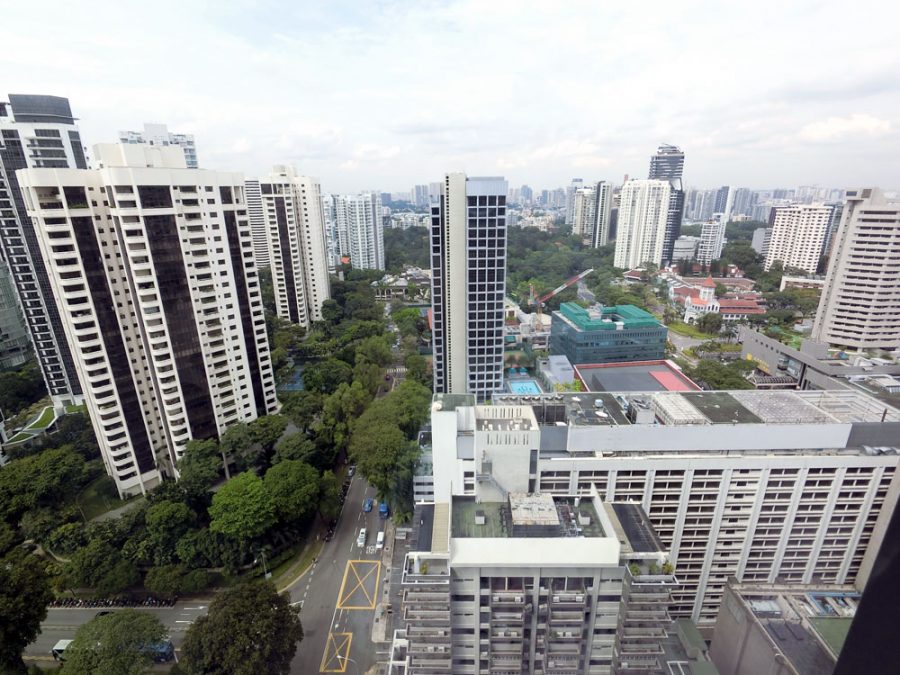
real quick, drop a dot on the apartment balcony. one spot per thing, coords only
(508, 598)
(567, 599)
(642, 633)
(507, 617)
(660, 615)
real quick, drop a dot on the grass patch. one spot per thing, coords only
(689, 331)
(72, 409)
(21, 436)
(99, 497)
(291, 569)
(42, 422)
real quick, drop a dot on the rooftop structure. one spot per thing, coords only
(642, 376)
(762, 628)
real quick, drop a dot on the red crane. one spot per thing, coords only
(538, 302)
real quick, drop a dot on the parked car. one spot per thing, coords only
(379, 543)
(351, 471)
(383, 510)
(368, 502)
(361, 539)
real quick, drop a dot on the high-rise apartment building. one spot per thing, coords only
(37, 131)
(668, 164)
(593, 204)
(152, 267)
(292, 206)
(760, 241)
(468, 284)
(642, 222)
(798, 235)
(860, 303)
(574, 186)
(359, 218)
(159, 134)
(332, 237)
(712, 240)
(253, 198)
(724, 202)
(743, 202)
(15, 346)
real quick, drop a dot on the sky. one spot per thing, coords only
(384, 95)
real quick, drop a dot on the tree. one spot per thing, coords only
(339, 415)
(329, 496)
(20, 388)
(384, 456)
(24, 595)
(165, 581)
(242, 508)
(115, 643)
(326, 376)
(200, 464)
(368, 375)
(235, 443)
(294, 489)
(267, 430)
(302, 408)
(417, 368)
(45, 479)
(166, 522)
(102, 567)
(295, 447)
(717, 375)
(249, 630)
(710, 323)
(374, 349)
(332, 312)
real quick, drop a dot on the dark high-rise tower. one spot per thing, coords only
(37, 132)
(668, 164)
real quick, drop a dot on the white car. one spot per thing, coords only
(379, 543)
(361, 539)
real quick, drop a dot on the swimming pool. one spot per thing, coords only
(524, 387)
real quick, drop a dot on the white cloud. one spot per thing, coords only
(384, 95)
(841, 128)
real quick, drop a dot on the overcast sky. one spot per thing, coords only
(383, 95)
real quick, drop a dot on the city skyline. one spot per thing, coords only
(780, 113)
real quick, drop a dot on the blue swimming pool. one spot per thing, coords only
(524, 387)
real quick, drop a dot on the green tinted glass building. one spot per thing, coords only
(606, 335)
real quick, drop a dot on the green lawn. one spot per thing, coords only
(21, 436)
(689, 331)
(46, 417)
(70, 409)
(99, 497)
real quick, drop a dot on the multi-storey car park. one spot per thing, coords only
(764, 486)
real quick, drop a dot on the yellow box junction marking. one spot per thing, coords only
(353, 587)
(337, 653)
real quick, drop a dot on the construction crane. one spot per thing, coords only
(538, 302)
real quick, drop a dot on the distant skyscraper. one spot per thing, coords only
(152, 267)
(602, 234)
(420, 195)
(712, 240)
(592, 210)
(643, 216)
(668, 164)
(744, 201)
(860, 303)
(724, 202)
(527, 195)
(332, 236)
(37, 131)
(158, 134)
(576, 184)
(468, 284)
(798, 233)
(257, 222)
(294, 223)
(360, 217)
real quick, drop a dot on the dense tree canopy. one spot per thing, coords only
(242, 508)
(24, 595)
(48, 478)
(249, 630)
(114, 643)
(294, 489)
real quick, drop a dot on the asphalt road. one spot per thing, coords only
(62, 622)
(339, 595)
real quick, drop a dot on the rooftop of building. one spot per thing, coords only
(525, 516)
(635, 376)
(814, 407)
(637, 528)
(613, 317)
(505, 418)
(451, 401)
(808, 624)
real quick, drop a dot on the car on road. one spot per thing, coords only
(351, 471)
(379, 543)
(383, 510)
(361, 539)
(368, 502)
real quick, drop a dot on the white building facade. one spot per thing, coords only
(292, 207)
(798, 235)
(153, 269)
(257, 222)
(860, 303)
(712, 241)
(359, 220)
(159, 135)
(468, 284)
(641, 229)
